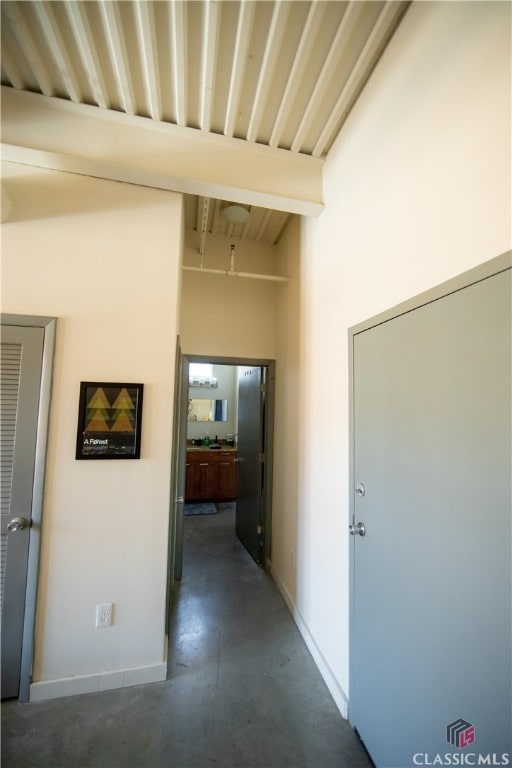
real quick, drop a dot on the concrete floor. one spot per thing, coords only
(243, 690)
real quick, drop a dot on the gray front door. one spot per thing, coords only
(20, 382)
(249, 491)
(431, 600)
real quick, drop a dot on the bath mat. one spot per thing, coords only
(201, 508)
(222, 506)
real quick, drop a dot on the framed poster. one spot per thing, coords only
(109, 420)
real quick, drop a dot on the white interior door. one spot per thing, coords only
(431, 595)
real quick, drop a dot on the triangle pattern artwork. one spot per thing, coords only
(110, 415)
(97, 422)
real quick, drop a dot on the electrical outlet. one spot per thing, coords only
(103, 615)
(292, 555)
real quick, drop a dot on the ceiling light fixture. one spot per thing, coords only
(236, 214)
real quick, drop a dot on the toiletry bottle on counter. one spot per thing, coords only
(206, 440)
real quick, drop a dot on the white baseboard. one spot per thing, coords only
(336, 691)
(103, 681)
(123, 678)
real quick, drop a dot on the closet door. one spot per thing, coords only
(20, 380)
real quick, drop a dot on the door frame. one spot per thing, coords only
(176, 486)
(460, 282)
(49, 325)
(181, 436)
(178, 475)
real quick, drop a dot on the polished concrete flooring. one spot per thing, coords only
(243, 690)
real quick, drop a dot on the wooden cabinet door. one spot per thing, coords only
(190, 479)
(198, 480)
(203, 484)
(201, 480)
(212, 481)
(210, 477)
(226, 486)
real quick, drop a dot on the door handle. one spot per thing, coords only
(357, 529)
(17, 524)
(179, 500)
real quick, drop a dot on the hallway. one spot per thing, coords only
(243, 690)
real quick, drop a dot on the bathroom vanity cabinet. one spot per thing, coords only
(211, 475)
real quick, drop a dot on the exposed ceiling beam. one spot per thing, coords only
(147, 33)
(306, 47)
(243, 34)
(270, 58)
(29, 48)
(261, 229)
(117, 49)
(11, 68)
(88, 52)
(179, 58)
(77, 138)
(211, 37)
(57, 46)
(369, 51)
(348, 21)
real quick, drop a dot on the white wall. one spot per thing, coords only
(417, 190)
(229, 316)
(104, 258)
(288, 426)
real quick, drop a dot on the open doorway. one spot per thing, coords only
(224, 446)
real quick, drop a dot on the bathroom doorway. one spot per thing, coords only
(253, 428)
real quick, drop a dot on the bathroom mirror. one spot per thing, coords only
(207, 410)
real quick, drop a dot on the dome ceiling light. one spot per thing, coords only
(236, 214)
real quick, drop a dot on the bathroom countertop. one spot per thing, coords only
(230, 448)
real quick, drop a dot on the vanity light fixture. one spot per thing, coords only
(236, 214)
(202, 381)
